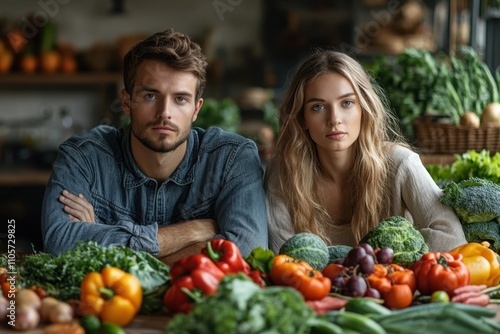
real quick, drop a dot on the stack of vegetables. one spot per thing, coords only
(314, 288)
(385, 284)
(106, 287)
(471, 186)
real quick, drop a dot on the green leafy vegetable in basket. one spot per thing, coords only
(417, 83)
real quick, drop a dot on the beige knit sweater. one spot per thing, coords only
(415, 196)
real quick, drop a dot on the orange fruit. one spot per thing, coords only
(28, 63)
(50, 61)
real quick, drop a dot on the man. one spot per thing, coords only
(159, 186)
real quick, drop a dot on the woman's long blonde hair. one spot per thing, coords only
(295, 167)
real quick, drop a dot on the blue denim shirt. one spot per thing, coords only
(220, 177)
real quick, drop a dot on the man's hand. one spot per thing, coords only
(77, 207)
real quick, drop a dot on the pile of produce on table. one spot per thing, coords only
(310, 287)
(388, 283)
(105, 286)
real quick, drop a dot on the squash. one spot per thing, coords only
(307, 247)
(337, 252)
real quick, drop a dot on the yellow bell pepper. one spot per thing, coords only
(481, 261)
(113, 295)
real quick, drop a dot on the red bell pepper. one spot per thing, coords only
(226, 256)
(187, 265)
(192, 277)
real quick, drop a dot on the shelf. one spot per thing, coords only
(82, 79)
(24, 177)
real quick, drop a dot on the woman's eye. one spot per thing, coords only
(317, 107)
(348, 103)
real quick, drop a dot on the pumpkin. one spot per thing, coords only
(307, 247)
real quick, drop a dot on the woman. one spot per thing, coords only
(340, 166)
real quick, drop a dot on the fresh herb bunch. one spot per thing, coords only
(61, 275)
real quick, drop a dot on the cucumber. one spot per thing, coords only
(323, 326)
(354, 321)
(365, 306)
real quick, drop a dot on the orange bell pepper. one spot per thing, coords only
(379, 280)
(113, 295)
(300, 275)
(482, 263)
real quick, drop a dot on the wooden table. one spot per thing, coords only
(142, 324)
(155, 324)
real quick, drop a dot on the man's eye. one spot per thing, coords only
(181, 99)
(150, 96)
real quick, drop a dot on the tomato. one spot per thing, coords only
(400, 275)
(333, 270)
(399, 296)
(440, 271)
(440, 296)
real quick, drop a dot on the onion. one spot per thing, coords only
(4, 303)
(491, 114)
(470, 119)
(47, 304)
(26, 317)
(28, 297)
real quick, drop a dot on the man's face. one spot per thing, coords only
(162, 107)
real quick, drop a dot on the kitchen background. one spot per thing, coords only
(250, 44)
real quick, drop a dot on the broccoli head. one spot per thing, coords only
(474, 200)
(399, 234)
(483, 231)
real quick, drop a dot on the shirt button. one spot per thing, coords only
(151, 183)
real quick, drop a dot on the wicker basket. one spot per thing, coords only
(438, 138)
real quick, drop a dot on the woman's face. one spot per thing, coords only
(332, 112)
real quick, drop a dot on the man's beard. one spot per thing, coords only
(158, 145)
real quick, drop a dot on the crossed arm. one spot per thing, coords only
(175, 241)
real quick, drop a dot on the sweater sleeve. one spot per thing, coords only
(417, 197)
(280, 226)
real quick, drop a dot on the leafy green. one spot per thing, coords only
(261, 259)
(61, 275)
(223, 113)
(474, 200)
(418, 82)
(240, 306)
(399, 234)
(469, 164)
